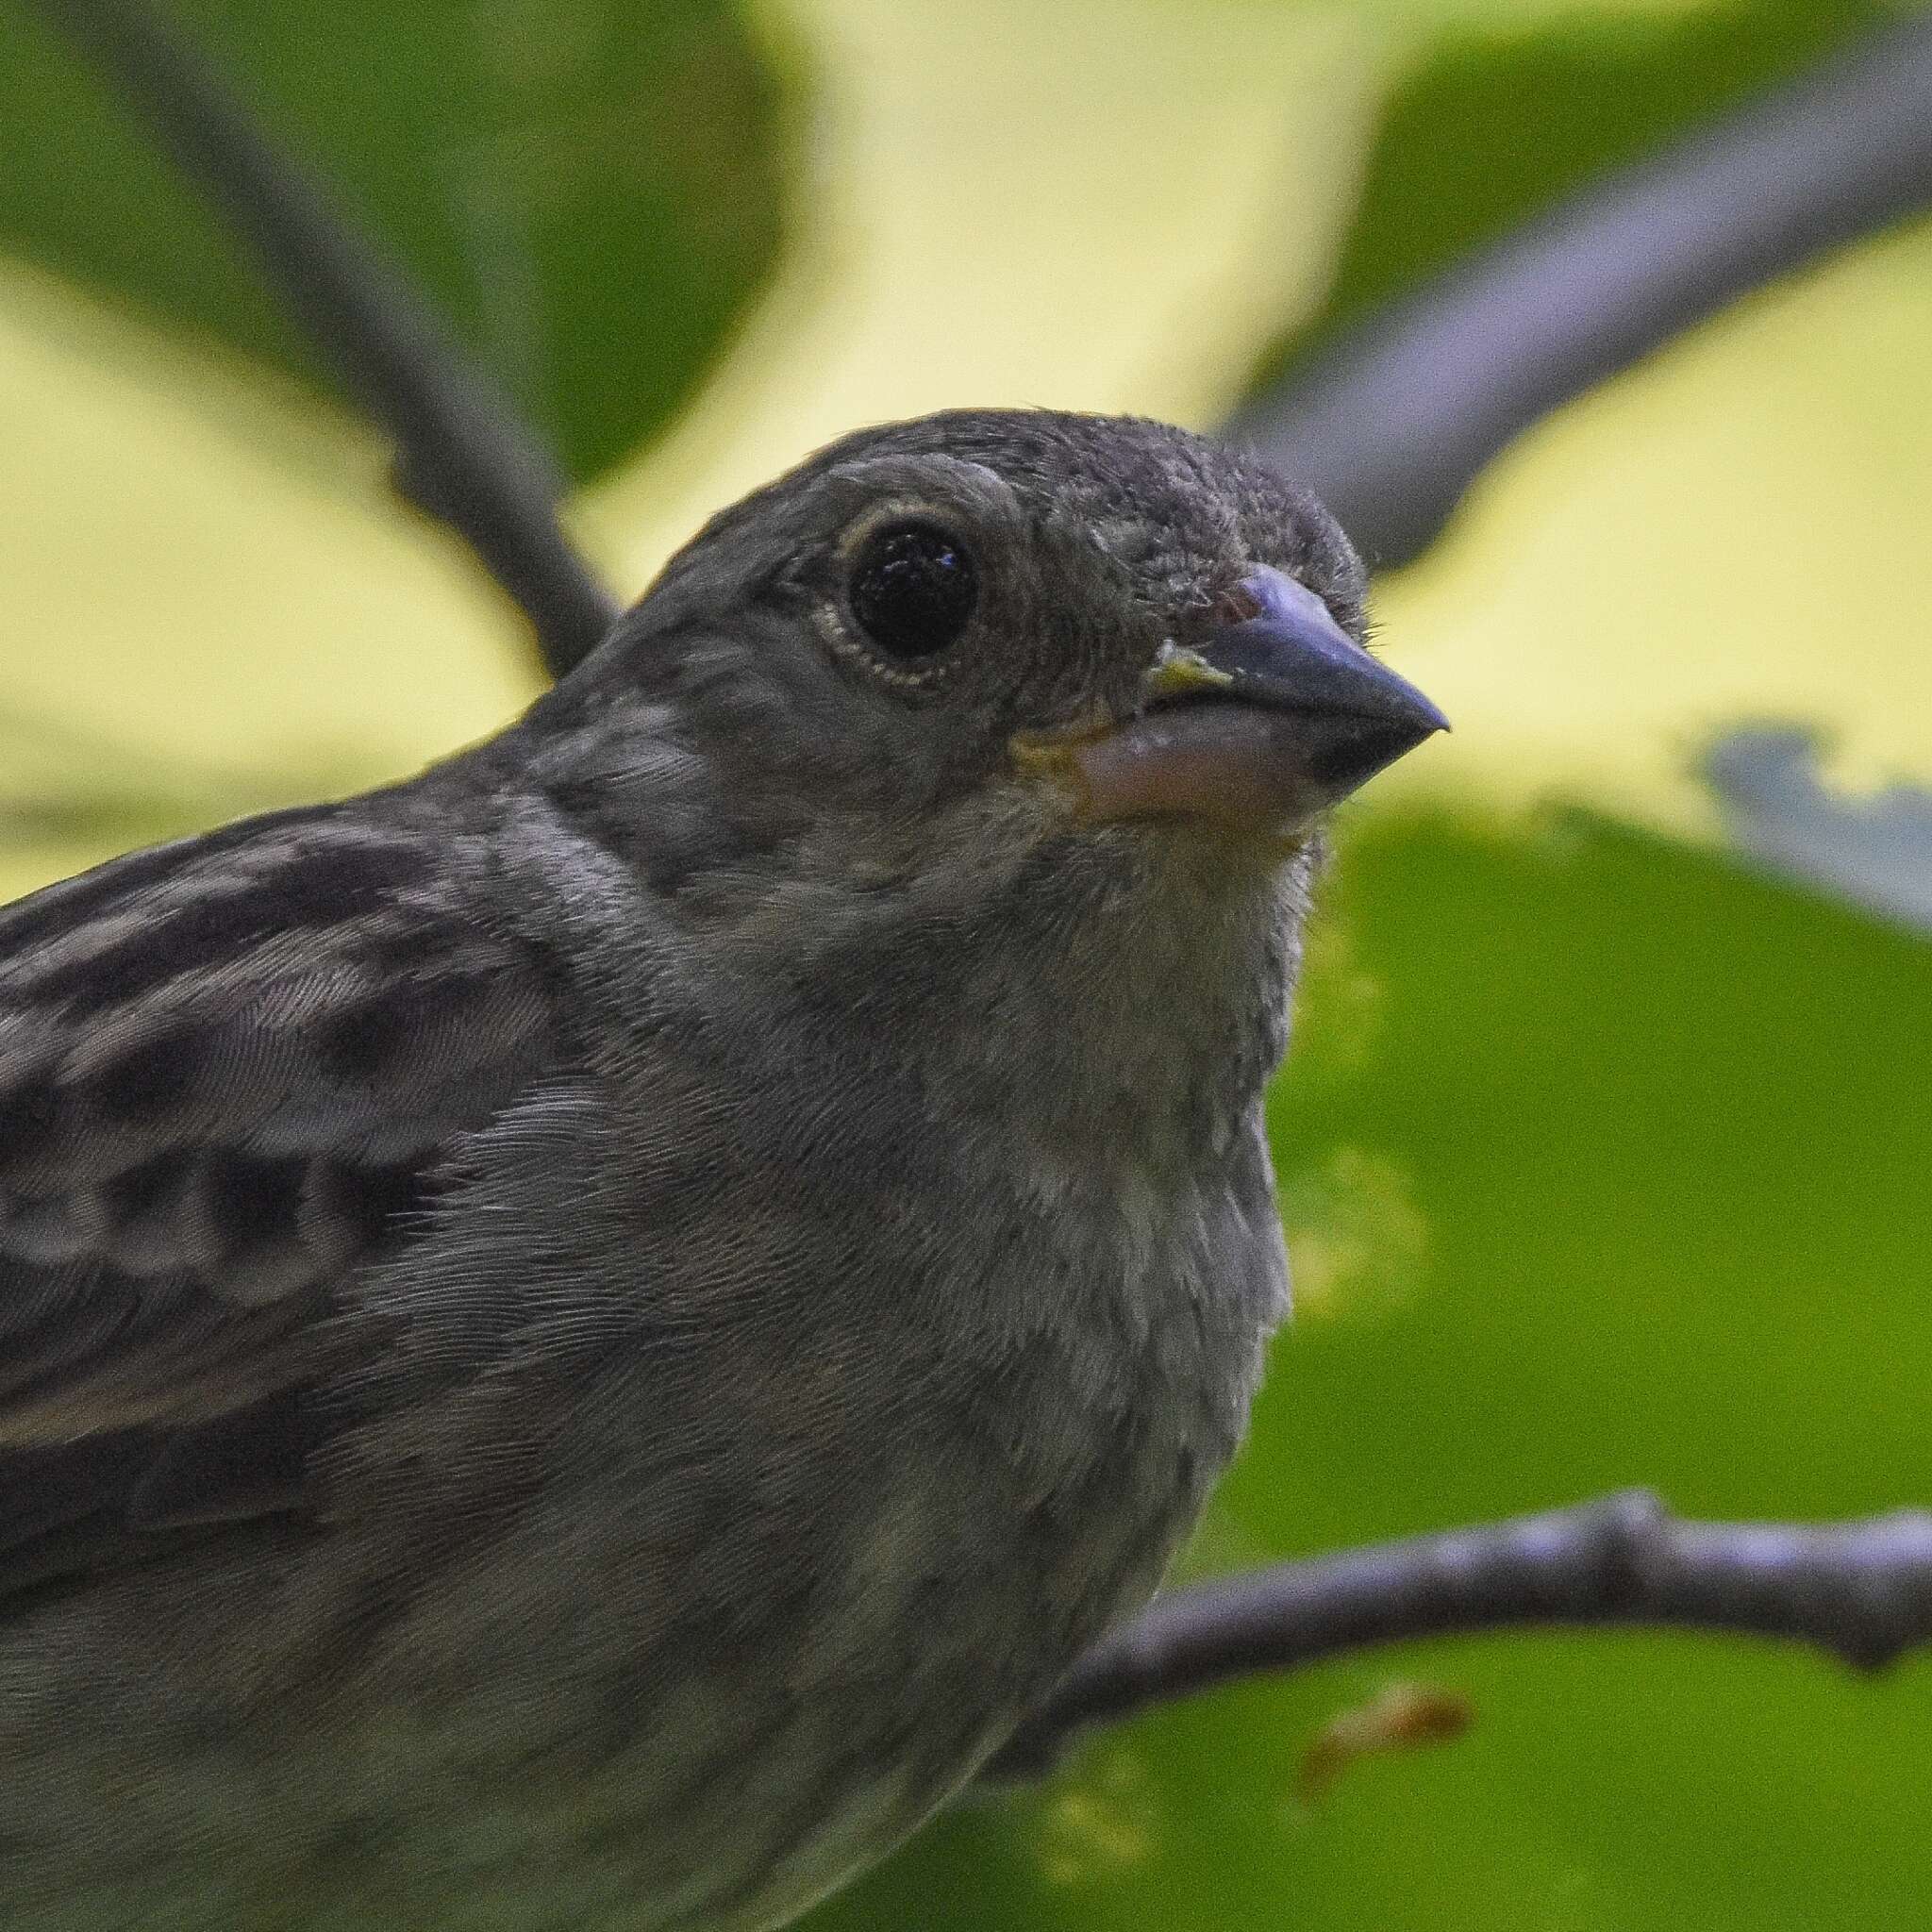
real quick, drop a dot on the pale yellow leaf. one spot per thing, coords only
(209, 595)
(1738, 529)
(1099, 205)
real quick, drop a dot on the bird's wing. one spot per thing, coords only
(227, 1068)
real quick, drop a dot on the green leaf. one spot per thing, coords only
(589, 190)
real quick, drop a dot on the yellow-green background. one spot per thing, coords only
(1606, 1160)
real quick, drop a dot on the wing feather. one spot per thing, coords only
(229, 1070)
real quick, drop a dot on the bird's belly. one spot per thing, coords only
(736, 1764)
(680, 1691)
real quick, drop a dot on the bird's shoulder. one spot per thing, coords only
(231, 1068)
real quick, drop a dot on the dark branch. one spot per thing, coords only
(1862, 1590)
(463, 457)
(1391, 427)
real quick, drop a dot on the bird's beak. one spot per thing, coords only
(1268, 722)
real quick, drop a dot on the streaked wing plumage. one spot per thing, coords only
(228, 1068)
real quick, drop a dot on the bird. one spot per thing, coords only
(582, 1336)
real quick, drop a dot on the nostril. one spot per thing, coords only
(1239, 603)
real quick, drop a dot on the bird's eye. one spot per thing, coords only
(913, 587)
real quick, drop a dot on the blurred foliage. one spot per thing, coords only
(1490, 128)
(1731, 532)
(1603, 1159)
(588, 189)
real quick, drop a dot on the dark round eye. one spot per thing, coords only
(913, 589)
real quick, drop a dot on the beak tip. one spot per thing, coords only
(1386, 694)
(1431, 720)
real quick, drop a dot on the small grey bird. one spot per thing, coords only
(581, 1336)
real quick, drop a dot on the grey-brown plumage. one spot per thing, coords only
(580, 1337)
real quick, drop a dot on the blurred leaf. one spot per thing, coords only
(1099, 204)
(1734, 531)
(201, 612)
(1876, 851)
(1400, 1717)
(59, 787)
(1650, 1108)
(589, 190)
(1499, 119)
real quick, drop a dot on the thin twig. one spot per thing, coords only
(463, 456)
(1394, 424)
(1861, 1591)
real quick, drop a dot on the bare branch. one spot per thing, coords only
(1391, 427)
(463, 456)
(1862, 1590)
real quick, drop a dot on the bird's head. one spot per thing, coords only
(981, 643)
